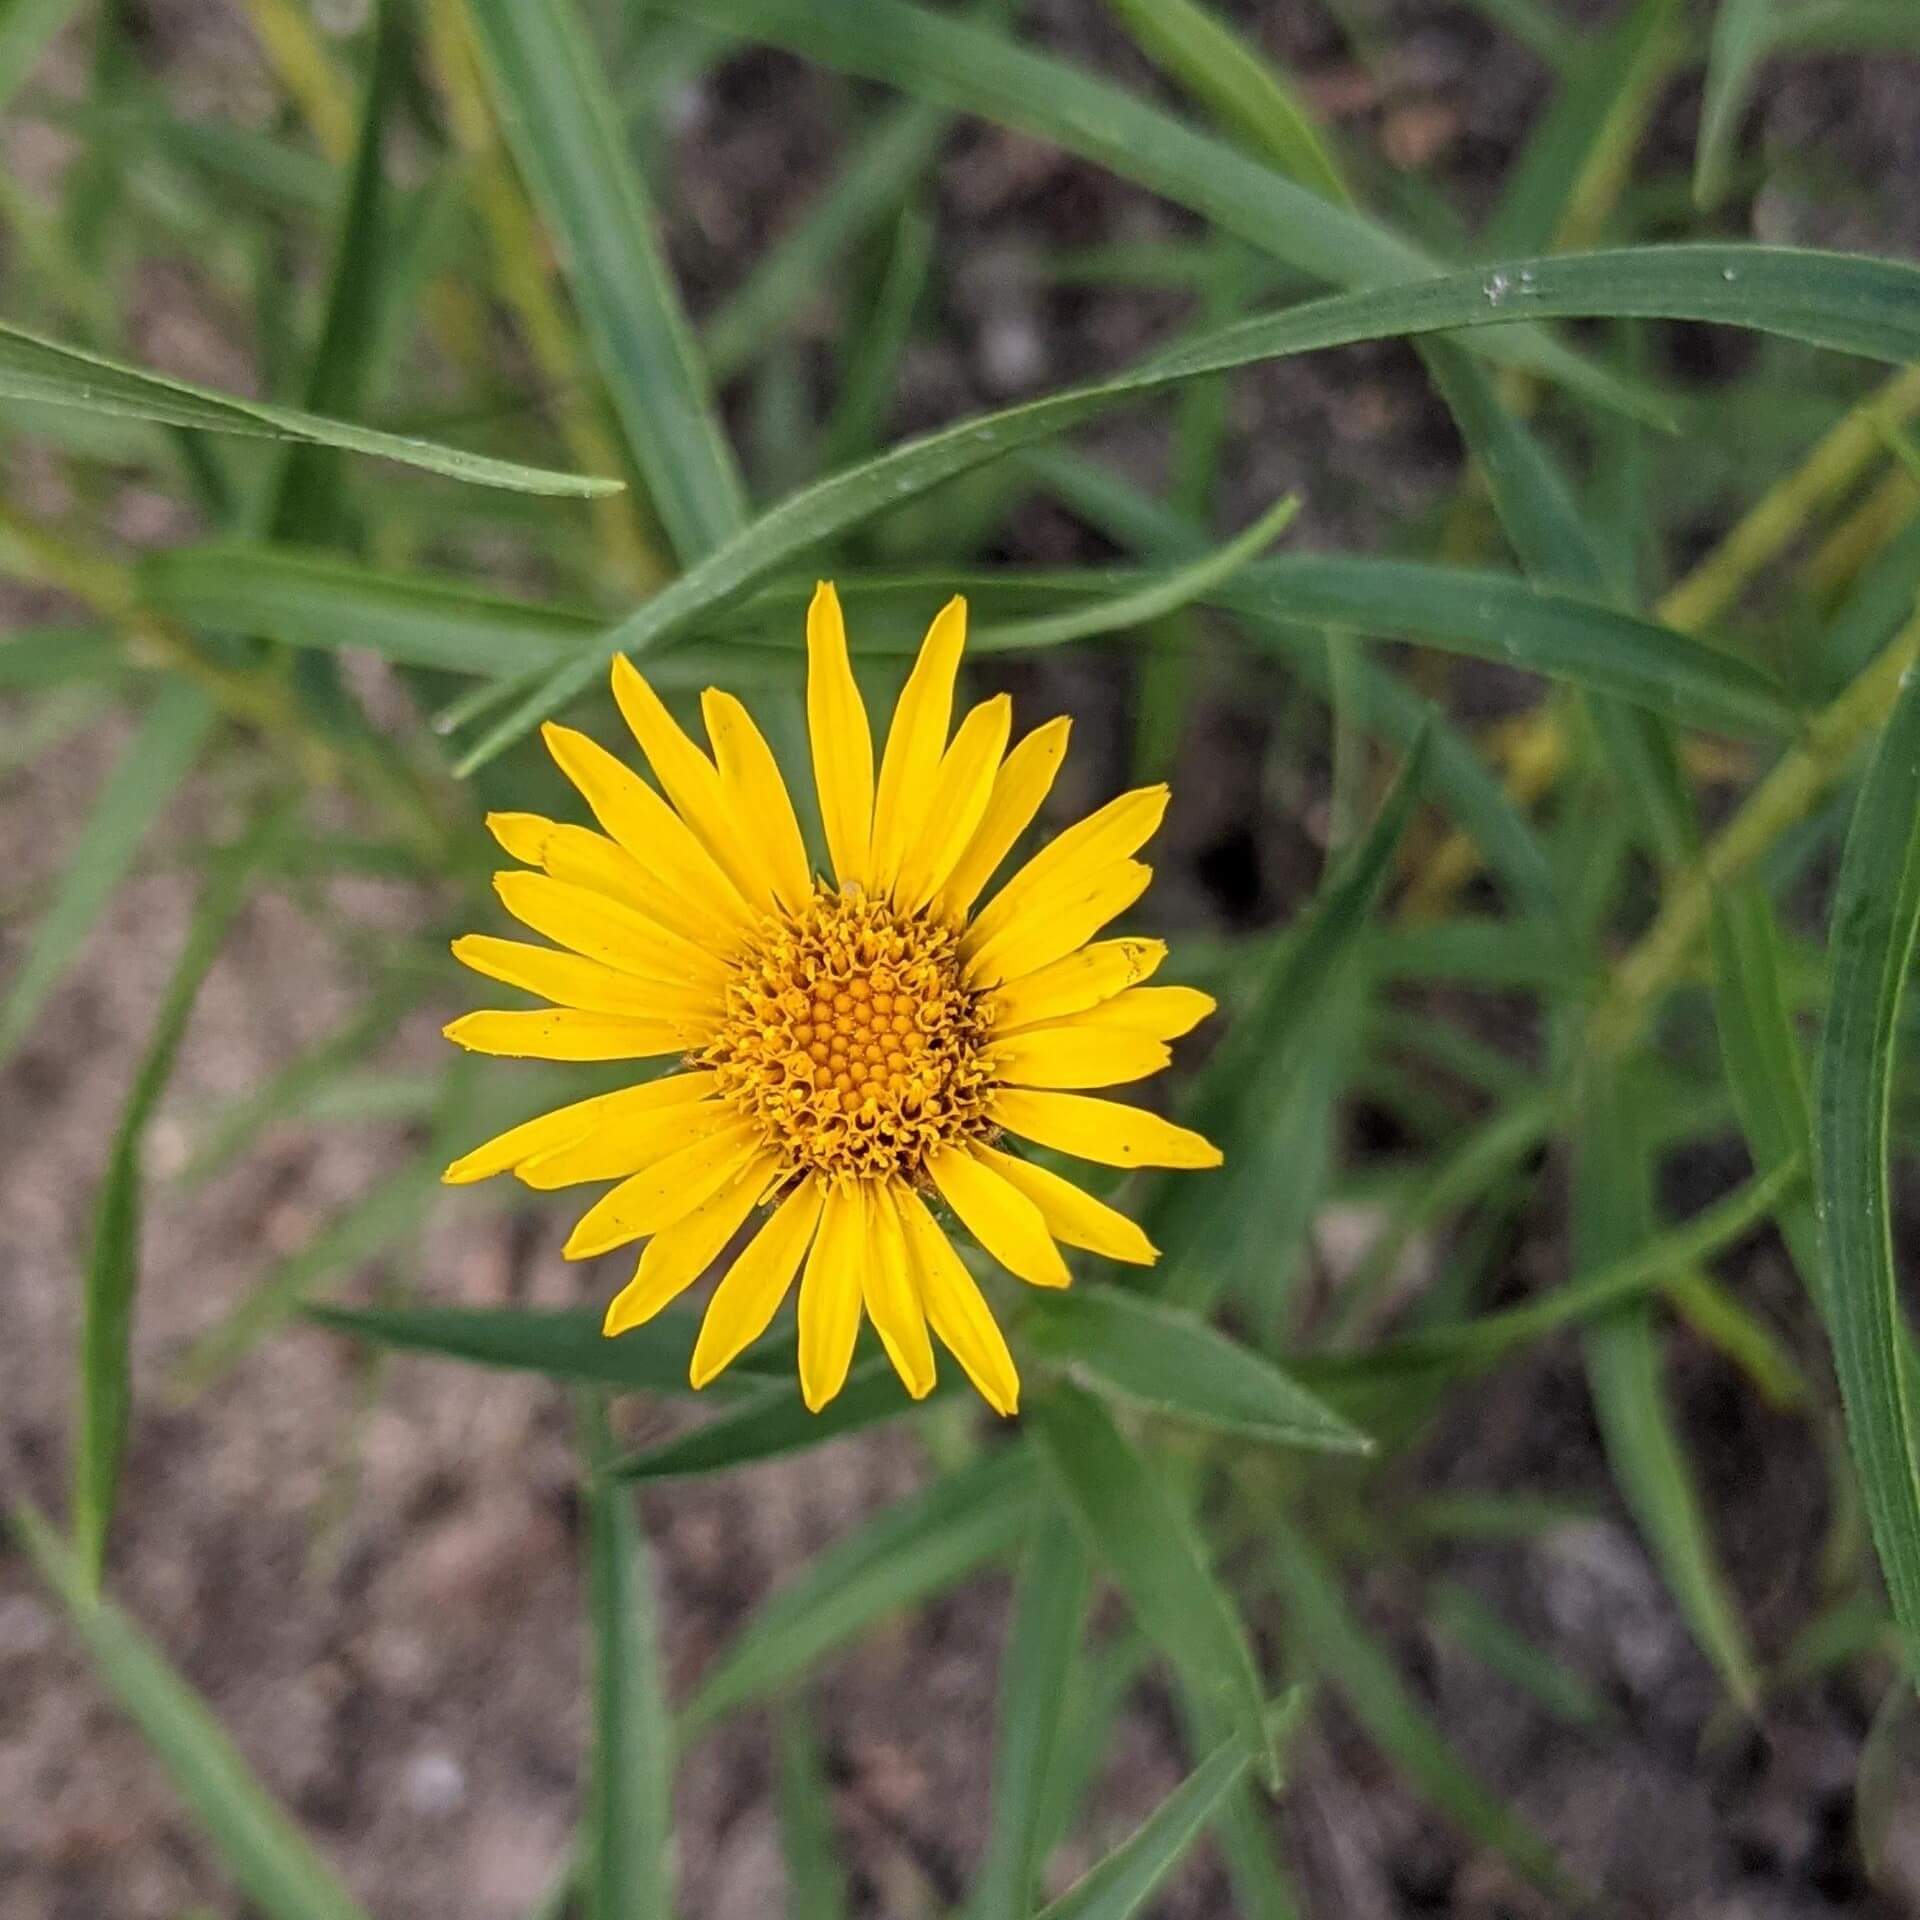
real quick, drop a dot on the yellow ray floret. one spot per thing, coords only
(854, 1051)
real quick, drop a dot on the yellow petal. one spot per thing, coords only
(962, 789)
(915, 742)
(1101, 1130)
(893, 1301)
(663, 844)
(583, 858)
(548, 1132)
(589, 923)
(830, 1292)
(842, 742)
(1048, 928)
(1071, 1214)
(1069, 986)
(692, 783)
(570, 981)
(564, 1033)
(1071, 1056)
(1023, 782)
(521, 834)
(666, 1191)
(624, 1145)
(678, 1255)
(757, 796)
(1157, 1013)
(956, 1308)
(999, 1216)
(750, 1293)
(1071, 863)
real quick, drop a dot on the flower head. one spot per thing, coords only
(852, 1053)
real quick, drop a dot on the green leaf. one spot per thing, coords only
(27, 29)
(1876, 913)
(1742, 33)
(1350, 1660)
(914, 1550)
(1242, 90)
(113, 1265)
(560, 120)
(161, 753)
(562, 1343)
(35, 368)
(1152, 601)
(57, 657)
(1147, 1543)
(1612, 1216)
(816, 1883)
(629, 1812)
(270, 1861)
(1852, 305)
(1171, 1362)
(1037, 1673)
(1132, 1873)
(777, 1422)
(976, 71)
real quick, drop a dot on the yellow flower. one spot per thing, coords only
(850, 1052)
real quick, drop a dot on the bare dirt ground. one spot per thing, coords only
(376, 1582)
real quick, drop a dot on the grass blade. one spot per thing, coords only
(1132, 1873)
(1876, 913)
(778, 1422)
(1146, 1542)
(27, 29)
(628, 1821)
(33, 367)
(113, 1265)
(914, 1550)
(1742, 35)
(563, 1344)
(816, 1885)
(1350, 1660)
(158, 758)
(1168, 1362)
(269, 1859)
(1852, 305)
(1036, 1693)
(561, 122)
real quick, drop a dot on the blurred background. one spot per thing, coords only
(1537, 1664)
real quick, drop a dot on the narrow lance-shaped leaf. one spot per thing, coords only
(1850, 304)
(1148, 1545)
(630, 1774)
(113, 1266)
(269, 1859)
(33, 367)
(1876, 914)
(563, 127)
(1036, 1688)
(158, 757)
(912, 1551)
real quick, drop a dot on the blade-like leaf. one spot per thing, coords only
(158, 758)
(816, 1882)
(1132, 1873)
(1142, 1538)
(630, 1777)
(563, 1343)
(1171, 1362)
(1850, 304)
(912, 1551)
(268, 1857)
(35, 368)
(777, 1421)
(113, 1265)
(1036, 1688)
(561, 122)
(1742, 30)
(1876, 914)
(27, 28)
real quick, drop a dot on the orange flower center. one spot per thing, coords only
(850, 1038)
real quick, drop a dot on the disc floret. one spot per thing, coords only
(850, 1038)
